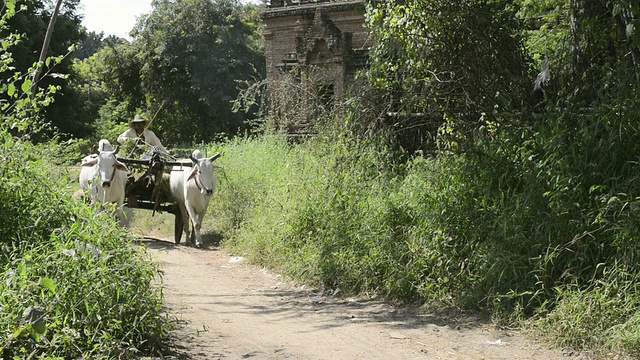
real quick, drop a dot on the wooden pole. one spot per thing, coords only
(45, 47)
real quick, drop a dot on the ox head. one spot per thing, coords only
(203, 172)
(104, 145)
(107, 164)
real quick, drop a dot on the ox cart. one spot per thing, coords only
(148, 187)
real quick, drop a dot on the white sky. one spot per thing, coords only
(116, 17)
(113, 17)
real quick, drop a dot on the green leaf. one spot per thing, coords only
(49, 284)
(616, 9)
(26, 86)
(22, 269)
(22, 331)
(630, 30)
(11, 90)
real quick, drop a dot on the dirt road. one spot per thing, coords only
(234, 310)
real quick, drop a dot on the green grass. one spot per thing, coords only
(71, 284)
(537, 227)
(508, 228)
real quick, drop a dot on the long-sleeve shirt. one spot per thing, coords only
(147, 137)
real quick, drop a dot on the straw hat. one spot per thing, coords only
(138, 119)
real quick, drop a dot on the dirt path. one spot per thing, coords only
(233, 310)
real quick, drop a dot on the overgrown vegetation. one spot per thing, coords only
(71, 284)
(488, 162)
(529, 208)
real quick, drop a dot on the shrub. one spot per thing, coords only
(72, 286)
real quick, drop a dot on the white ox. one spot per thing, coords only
(191, 188)
(103, 177)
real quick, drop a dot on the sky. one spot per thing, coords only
(113, 17)
(116, 17)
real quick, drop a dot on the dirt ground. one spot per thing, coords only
(230, 309)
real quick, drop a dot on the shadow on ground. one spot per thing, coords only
(211, 241)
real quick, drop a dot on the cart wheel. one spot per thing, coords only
(178, 225)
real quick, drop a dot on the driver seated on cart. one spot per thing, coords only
(138, 142)
(139, 133)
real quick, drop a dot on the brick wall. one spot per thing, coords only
(324, 38)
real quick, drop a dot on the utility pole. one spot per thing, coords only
(45, 48)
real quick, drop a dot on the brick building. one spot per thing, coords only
(319, 44)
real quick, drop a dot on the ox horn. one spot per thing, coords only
(214, 157)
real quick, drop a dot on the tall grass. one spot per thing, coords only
(590, 165)
(338, 215)
(531, 223)
(71, 286)
(264, 179)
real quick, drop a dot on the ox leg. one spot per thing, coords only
(185, 221)
(197, 228)
(193, 239)
(120, 217)
(178, 224)
(124, 215)
(196, 225)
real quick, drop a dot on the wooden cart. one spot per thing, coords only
(148, 187)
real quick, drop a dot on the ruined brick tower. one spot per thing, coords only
(320, 44)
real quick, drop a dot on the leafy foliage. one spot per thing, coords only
(183, 66)
(19, 106)
(459, 62)
(64, 115)
(72, 286)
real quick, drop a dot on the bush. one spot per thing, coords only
(72, 286)
(339, 215)
(523, 223)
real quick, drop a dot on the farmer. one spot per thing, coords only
(138, 132)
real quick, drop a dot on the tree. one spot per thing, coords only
(90, 45)
(118, 66)
(31, 23)
(184, 64)
(20, 106)
(462, 62)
